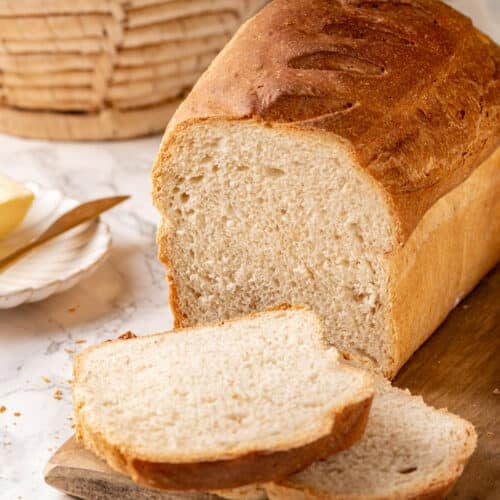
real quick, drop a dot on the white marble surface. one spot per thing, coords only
(128, 293)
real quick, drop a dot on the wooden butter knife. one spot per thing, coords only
(74, 217)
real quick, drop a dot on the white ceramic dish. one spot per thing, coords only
(56, 265)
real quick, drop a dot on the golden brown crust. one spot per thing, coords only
(178, 316)
(455, 244)
(348, 428)
(409, 84)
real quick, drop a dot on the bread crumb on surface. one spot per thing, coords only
(58, 394)
(80, 341)
(496, 391)
(69, 351)
(490, 434)
(46, 380)
(2, 408)
(17, 414)
(127, 335)
(73, 309)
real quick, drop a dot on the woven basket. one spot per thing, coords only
(105, 69)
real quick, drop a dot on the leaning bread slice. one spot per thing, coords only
(215, 407)
(409, 450)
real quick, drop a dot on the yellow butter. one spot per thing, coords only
(15, 201)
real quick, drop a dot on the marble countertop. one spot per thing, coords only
(38, 341)
(129, 292)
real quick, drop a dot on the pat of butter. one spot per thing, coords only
(15, 201)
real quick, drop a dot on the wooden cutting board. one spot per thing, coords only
(458, 368)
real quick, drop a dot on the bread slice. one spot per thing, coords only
(409, 450)
(221, 406)
(333, 155)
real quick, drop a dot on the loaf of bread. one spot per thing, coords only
(341, 154)
(220, 406)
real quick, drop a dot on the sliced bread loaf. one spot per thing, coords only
(247, 401)
(333, 155)
(409, 450)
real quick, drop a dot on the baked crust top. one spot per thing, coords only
(410, 86)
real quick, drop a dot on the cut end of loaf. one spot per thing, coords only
(254, 215)
(220, 406)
